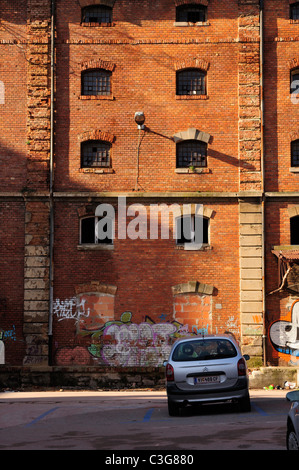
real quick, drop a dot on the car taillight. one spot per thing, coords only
(241, 366)
(169, 373)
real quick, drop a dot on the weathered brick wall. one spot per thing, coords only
(128, 291)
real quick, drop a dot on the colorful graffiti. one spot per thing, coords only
(125, 343)
(284, 335)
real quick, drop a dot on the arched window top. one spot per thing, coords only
(191, 81)
(96, 82)
(191, 13)
(97, 14)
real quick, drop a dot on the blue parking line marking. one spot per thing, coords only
(259, 410)
(148, 415)
(41, 417)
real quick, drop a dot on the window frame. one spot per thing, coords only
(294, 221)
(185, 9)
(180, 239)
(105, 9)
(92, 142)
(97, 241)
(293, 73)
(186, 143)
(182, 76)
(294, 8)
(295, 158)
(106, 75)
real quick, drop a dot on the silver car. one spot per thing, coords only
(205, 370)
(293, 421)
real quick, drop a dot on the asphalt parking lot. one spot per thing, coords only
(137, 420)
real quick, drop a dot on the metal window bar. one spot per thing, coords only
(191, 153)
(294, 11)
(97, 14)
(191, 13)
(295, 153)
(96, 82)
(95, 154)
(191, 82)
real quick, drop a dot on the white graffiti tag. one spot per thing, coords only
(72, 308)
(137, 345)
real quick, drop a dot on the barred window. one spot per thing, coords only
(96, 82)
(97, 14)
(191, 13)
(294, 11)
(295, 153)
(89, 234)
(191, 153)
(191, 82)
(95, 153)
(186, 227)
(295, 81)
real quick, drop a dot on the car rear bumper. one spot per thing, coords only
(239, 391)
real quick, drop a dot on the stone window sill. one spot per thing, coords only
(195, 171)
(188, 23)
(94, 246)
(294, 21)
(191, 247)
(191, 97)
(294, 169)
(97, 25)
(96, 97)
(98, 171)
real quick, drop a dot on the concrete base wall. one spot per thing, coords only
(16, 378)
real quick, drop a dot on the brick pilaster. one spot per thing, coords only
(36, 275)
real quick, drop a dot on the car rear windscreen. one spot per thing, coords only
(204, 349)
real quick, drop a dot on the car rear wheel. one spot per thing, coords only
(173, 408)
(244, 404)
(292, 441)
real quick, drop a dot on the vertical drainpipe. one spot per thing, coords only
(51, 176)
(262, 174)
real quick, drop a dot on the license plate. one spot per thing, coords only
(211, 379)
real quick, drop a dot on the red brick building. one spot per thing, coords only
(216, 83)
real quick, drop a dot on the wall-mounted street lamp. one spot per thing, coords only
(139, 119)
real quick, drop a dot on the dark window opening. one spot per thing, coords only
(294, 11)
(97, 14)
(191, 13)
(187, 225)
(95, 154)
(93, 231)
(191, 153)
(295, 153)
(191, 82)
(96, 82)
(295, 81)
(294, 222)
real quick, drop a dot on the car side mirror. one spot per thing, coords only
(165, 363)
(246, 357)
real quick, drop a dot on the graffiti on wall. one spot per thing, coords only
(284, 335)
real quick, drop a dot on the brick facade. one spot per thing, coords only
(65, 302)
